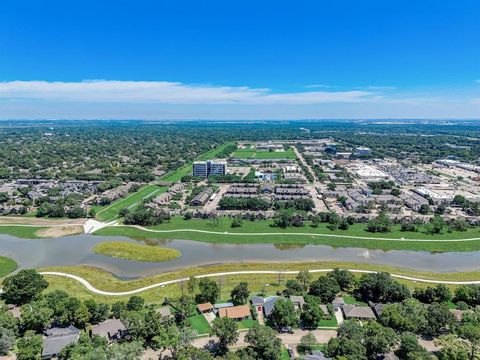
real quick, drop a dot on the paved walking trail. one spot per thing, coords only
(91, 288)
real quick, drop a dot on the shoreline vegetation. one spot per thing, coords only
(137, 252)
(7, 265)
(270, 283)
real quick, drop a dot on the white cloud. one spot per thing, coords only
(313, 86)
(165, 92)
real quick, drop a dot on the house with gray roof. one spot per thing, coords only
(358, 312)
(110, 329)
(297, 301)
(269, 304)
(56, 339)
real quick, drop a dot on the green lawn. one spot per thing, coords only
(284, 355)
(199, 324)
(187, 168)
(328, 323)
(7, 265)
(303, 235)
(264, 155)
(130, 251)
(247, 324)
(26, 232)
(350, 300)
(111, 211)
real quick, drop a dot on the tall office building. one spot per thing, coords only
(200, 168)
(210, 167)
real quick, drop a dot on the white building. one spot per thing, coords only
(363, 151)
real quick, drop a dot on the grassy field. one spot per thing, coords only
(328, 323)
(111, 211)
(224, 233)
(187, 168)
(7, 265)
(103, 280)
(264, 155)
(129, 251)
(26, 232)
(199, 324)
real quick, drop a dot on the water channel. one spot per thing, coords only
(76, 250)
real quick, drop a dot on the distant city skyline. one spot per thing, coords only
(252, 60)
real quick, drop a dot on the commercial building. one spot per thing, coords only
(210, 167)
(363, 151)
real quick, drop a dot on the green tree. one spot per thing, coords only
(7, 340)
(304, 277)
(344, 278)
(436, 225)
(410, 349)
(125, 351)
(240, 293)
(410, 315)
(226, 330)
(135, 303)
(377, 339)
(307, 342)
(36, 316)
(23, 287)
(311, 315)
(325, 288)
(470, 331)
(451, 348)
(29, 346)
(264, 343)
(283, 313)
(209, 291)
(438, 317)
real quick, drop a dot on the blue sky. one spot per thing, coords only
(239, 59)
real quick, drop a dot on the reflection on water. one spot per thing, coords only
(288, 246)
(76, 250)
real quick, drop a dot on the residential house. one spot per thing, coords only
(358, 312)
(238, 313)
(338, 302)
(56, 339)
(204, 308)
(297, 301)
(269, 304)
(164, 312)
(110, 329)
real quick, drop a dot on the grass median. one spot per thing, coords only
(269, 283)
(111, 211)
(129, 251)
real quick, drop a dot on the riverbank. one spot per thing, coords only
(263, 232)
(269, 283)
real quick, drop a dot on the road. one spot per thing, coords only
(300, 157)
(91, 288)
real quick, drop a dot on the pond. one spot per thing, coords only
(76, 250)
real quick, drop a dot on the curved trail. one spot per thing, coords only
(91, 288)
(226, 233)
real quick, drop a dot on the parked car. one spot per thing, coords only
(285, 329)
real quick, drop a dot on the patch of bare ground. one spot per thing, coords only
(59, 231)
(14, 220)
